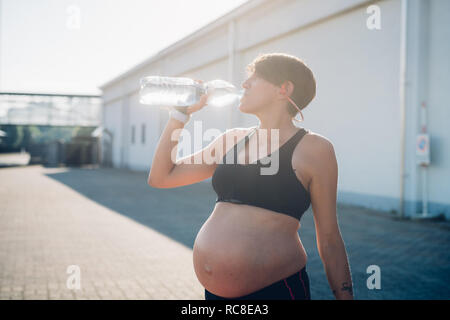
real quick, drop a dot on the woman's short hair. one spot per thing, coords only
(277, 68)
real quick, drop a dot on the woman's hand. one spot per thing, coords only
(199, 105)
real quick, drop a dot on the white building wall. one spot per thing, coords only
(141, 152)
(357, 101)
(438, 100)
(427, 79)
(357, 106)
(112, 115)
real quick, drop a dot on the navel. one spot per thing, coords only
(208, 269)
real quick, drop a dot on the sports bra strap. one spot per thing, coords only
(295, 139)
(287, 148)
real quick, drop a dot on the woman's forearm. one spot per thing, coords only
(336, 265)
(162, 162)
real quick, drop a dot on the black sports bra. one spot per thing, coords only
(281, 192)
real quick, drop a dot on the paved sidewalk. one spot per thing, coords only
(47, 225)
(14, 159)
(132, 241)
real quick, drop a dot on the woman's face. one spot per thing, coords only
(258, 94)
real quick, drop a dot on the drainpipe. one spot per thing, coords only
(403, 57)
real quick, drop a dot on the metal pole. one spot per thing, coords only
(403, 57)
(425, 215)
(424, 193)
(424, 168)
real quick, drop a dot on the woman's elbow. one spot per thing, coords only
(152, 182)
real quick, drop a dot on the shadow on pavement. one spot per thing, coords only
(177, 213)
(413, 257)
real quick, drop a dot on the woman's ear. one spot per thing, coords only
(287, 88)
(290, 88)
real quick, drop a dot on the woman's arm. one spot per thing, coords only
(166, 172)
(162, 163)
(164, 159)
(323, 190)
(336, 265)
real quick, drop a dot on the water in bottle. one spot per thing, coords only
(222, 93)
(183, 92)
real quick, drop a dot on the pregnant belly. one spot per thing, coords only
(241, 249)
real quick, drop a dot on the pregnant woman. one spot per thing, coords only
(249, 247)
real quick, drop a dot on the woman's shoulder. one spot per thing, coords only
(240, 130)
(313, 154)
(314, 149)
(316, 140)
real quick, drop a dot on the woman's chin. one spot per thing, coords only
(243, 108)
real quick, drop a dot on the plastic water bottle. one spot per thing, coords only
(182, 92)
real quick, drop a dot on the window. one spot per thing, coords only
(143, 134)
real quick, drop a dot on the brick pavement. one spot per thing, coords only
(132, 241)
(46, 226)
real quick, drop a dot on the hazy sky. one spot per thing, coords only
(62, 46)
